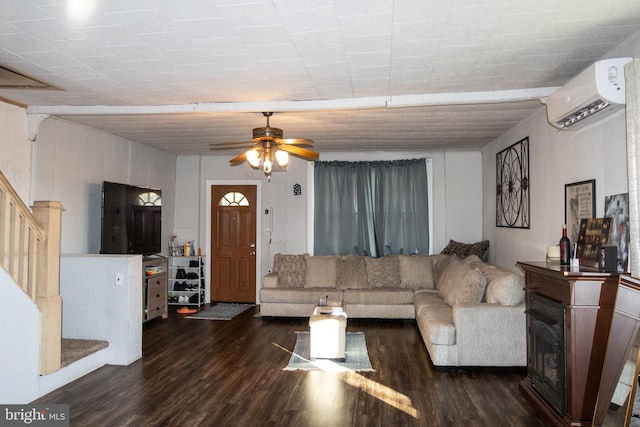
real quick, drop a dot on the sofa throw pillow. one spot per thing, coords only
(504, 287)
(290, 269)
(469, 288)
(383, 272)
(351, 272)
(463, 250)
(440, 263)
(320, 271)
(450, 271)
(416, 271)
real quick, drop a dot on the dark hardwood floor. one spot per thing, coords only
(230, 373)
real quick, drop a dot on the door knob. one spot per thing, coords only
(252, 253)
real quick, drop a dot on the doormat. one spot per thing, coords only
(356, 355)
(221, 312)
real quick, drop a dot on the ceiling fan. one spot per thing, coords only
(268, 143)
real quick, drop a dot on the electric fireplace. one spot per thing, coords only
(547, 350)
(569, 311)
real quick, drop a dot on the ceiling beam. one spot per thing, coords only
(399, 101)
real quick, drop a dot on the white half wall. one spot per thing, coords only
(95, 308)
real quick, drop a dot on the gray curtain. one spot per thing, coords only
(371, 208)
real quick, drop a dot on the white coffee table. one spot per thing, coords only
(328, 325)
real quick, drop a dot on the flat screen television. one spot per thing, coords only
(131, 220)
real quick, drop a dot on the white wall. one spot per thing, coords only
(71, 163)
(457, 199)
(15, 162)
(556, 158)
(597, 151)
(463, 196)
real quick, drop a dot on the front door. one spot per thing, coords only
(233, 243)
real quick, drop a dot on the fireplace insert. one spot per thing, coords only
(547, 355)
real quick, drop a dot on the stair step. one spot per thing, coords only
(76, 349)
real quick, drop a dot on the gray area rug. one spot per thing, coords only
(356, 355)
(221, 312)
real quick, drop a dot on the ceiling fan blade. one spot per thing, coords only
(299, 151)
(230, 144)
(238, 159)
(294, 141)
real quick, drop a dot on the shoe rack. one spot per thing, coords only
(186, 280)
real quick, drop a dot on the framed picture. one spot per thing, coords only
(594, 234)
(616, 207)
(512, 186)
(579, 204)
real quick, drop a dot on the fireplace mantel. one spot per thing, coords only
(588, 297)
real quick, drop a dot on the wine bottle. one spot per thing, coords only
(565, 247)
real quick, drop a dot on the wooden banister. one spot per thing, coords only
(30, 253)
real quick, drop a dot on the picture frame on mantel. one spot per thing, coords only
(595, 234)
(579, 204)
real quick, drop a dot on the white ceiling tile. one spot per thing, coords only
(365, 25)
(311, 41)
(421, 11)
(21, 10)
(310, 20)
(153, 52)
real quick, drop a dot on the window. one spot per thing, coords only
(371, 208)
(233, 199)
(150, 198)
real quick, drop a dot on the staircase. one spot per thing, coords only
(30, 253)
(38, 359)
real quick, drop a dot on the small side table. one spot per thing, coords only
(328, 325)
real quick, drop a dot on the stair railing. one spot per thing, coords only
(30, 253)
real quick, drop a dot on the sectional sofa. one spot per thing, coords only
(469, 312)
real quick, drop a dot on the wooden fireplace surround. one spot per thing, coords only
(588, 296)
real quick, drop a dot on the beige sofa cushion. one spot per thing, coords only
(504, 287)
(462, 284)
(290, 269)
(435, 318)
(469, 289)
(270, 280)
(416, 271)
(449, 269)
(298, 295)
(378, 296)
(320, 271)
(351, 272)
(440, 263)
(383, 272)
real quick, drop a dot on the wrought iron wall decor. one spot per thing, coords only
(512, 186)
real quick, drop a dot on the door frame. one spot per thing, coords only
(207, 226)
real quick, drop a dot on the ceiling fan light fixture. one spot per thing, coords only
(253, 157)
(267, 166)
(269, 147)
(282, 157)
(267, 133)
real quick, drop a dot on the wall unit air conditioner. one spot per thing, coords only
(594, 94)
